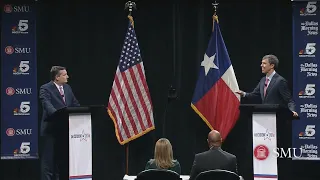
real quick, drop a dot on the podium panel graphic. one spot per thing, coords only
(80, 146)
(264, 134)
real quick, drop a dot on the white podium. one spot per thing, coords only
(80, 146)
(73, 133)
(264, 133)
(265, 119)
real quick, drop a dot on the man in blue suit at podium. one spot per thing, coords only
(54, 95)
(272, 88)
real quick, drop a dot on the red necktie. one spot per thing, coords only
(62, 94)
(265, 86)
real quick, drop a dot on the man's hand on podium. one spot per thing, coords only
(295, 114)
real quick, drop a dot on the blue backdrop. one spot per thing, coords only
(19, 101)
(305, 131)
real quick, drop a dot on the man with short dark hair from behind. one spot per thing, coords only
(54, 95)
(213, 159)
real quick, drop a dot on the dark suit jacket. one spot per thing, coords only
(52, 101)
(277, 92)
(213, 159)
(176, 166)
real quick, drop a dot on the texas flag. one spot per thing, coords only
(214, 99)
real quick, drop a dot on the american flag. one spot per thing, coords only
(130, 105)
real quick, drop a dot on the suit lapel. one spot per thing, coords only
(273, 80)
(262, 87)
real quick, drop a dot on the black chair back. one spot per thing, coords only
(158, 174)
(217, 175)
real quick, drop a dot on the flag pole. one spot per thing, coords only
(215, 18)
(129, 6)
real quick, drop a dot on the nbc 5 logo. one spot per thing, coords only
(309, 10)
(23, 68)
(308, 92)
(22, 27)
(308, 51)
(23, 109)
(310, 130)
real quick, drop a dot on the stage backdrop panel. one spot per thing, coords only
(19, 99)
(306, 17)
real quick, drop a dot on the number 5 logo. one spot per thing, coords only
(24, 66)
(23, 25)
(311, 7)
(25, 147)
(310, 131)
(310, 89)
(311, 48)
(25, 107)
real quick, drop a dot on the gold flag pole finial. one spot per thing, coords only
(215, 6)
(130, 6)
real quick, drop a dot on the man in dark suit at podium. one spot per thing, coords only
(214, 158)
(272, 88)
(54, 95)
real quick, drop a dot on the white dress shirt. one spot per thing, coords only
(269, 77)
(59, 87)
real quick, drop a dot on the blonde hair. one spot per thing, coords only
(163, 154)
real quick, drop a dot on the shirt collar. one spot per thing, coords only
(215, 147)
(271, 75)
(57, 85)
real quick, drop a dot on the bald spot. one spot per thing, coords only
(214, 136)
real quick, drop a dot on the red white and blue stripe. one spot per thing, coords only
(81, 177)
(265, 176)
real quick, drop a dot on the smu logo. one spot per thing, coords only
(261, 152)
(9, 50)
(9, 8)
(10, 91)
(10, 132)
(18, 132)
(18, 50)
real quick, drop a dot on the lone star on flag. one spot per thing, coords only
(208, 62)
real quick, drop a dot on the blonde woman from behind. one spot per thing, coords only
(163, 157)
